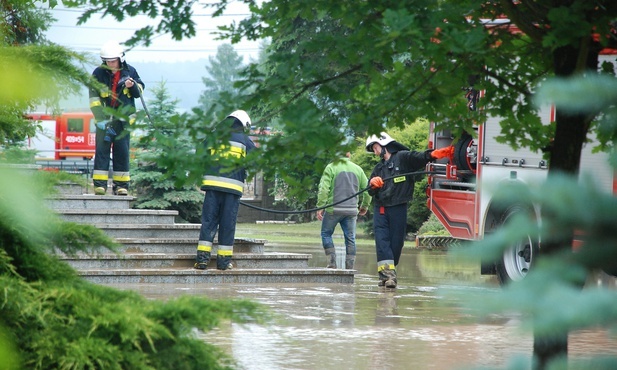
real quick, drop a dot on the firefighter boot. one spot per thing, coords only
(201, 262)
(331, 257)
(350, 262)
(99, 190)
(224, 263)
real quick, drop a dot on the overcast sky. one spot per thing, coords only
(90, 36)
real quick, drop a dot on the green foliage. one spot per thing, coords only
(589, 95)
(17, 154)
(375, 65)
(367, 66)
(155, 187)
(52, 319)
(25, 222)
(23, 22)
(34, 75)
(551, 298)
(432, 226)
(174, 17)
(111, 329)
(8, 352)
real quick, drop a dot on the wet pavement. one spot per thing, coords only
(363, 326)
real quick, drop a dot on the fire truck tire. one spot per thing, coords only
(519, 257)
(461, 160)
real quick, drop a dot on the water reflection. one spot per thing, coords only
(363, 326)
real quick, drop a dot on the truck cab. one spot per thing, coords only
(75, 135)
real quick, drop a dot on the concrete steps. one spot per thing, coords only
(128, 261)
(121, 216)
(240, 276)
(88, 201)
(183, 245)
(164, 231)
(155, 249)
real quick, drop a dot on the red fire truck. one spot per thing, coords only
(70, 135)
(461, 194)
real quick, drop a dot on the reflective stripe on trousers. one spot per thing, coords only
(219, 214)
(120, 148)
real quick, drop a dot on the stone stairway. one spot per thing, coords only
(155, 250)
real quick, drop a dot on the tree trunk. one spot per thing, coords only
(570, 134)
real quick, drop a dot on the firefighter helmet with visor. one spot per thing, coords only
(383, 139)
(112, 50)
(241, 116)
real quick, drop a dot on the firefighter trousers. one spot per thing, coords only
(117, 142)
(390, 226)
(220, 213)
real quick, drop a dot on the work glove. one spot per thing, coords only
(376, 182)
(102, 125)
(447, 152)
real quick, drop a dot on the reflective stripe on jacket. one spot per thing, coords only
(229, 181)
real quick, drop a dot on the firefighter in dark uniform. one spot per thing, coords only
(390, 198)
(223, 191)
(121, 85)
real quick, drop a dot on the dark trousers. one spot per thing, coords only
(119, 144)
(220, 213)
(390, 229)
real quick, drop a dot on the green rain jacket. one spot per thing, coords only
(341, 179)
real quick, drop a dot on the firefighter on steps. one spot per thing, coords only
(224, 188)
(121, 84)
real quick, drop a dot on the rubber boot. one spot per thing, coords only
(201, 262)
(350, 262)
(331, 257)
(382, 279)
(391, 281)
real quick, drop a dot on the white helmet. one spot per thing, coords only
(383, 139)
(112, 50)
(242, 116)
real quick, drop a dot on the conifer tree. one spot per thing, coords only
(223, 71)
(154, 187)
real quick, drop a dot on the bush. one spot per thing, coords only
(432, 226)
(50, 318)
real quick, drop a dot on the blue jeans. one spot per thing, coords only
(348, 225)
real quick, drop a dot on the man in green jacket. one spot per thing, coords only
(341, 179)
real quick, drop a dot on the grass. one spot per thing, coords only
(300, 233)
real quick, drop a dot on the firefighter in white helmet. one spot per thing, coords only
(111, 103)
(223, 188)
(391, 191)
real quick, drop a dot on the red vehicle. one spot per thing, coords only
(70, 135)
(461, 194)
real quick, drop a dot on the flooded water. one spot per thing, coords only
(363, 326)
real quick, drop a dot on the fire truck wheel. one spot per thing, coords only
(519, 257)
(462, 148)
